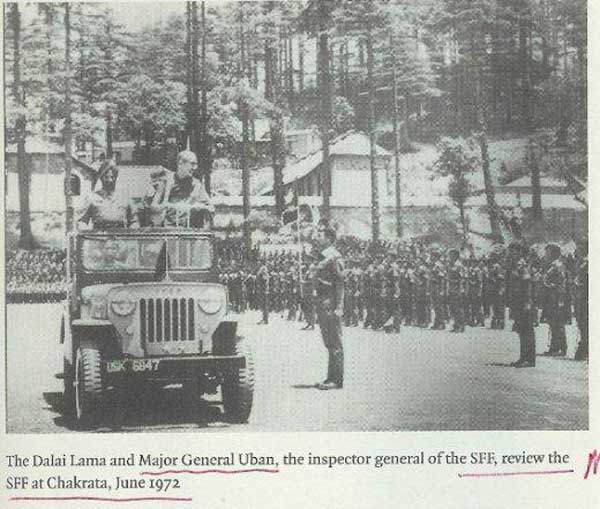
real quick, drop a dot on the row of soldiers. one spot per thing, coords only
(429, 288)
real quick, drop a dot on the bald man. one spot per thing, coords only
(182, 200)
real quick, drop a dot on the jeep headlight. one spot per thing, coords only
(122, 303)
(211, 301)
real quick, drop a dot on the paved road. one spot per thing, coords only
(417, 380)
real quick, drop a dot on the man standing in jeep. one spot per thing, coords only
(182, 200)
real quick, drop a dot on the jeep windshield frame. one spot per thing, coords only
(144, 250)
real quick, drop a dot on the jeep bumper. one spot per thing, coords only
(169, 368)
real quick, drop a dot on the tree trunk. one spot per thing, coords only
(205, 149)
(485, 163)
(290, 69)
(324, 79)
(536, 198)
(272, 94)
(300, 63)
(189, 69)
(397, 174)
(195, 135)
(68, 127)
(26, 239)
(245, 140)
(371, 123)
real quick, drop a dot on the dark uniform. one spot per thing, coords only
(330, 297)
(456, 294)
(497, 296)
(421, 294)
(475, 295)
(309, 294)
(554, 285)
(438, 295)
(520, 301)
(581, 307)
(368, 297)
(263, 291)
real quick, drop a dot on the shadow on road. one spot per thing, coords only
(305, 386)
(166, 409)
(501, 364)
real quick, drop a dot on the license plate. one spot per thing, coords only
(136, 365)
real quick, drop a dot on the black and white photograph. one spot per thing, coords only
(305, 215)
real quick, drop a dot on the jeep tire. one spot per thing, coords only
(237, 389)
(88, 382)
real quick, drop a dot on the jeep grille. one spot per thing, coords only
(163, 320)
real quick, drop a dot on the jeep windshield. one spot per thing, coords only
(134, 254)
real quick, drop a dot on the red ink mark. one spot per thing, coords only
(593, 460)
(105, 499)
(245, 471)
(505, 474)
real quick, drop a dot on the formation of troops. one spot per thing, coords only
(411, 285)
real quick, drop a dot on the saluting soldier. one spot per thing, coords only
(581, 299)
(520, 302)
(554, 284)
(330, 301)
(456, 290)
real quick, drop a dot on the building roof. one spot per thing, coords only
(511, 200)
(544, 182)
(351, 143)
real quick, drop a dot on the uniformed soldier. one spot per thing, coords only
(263, 292)
(496, 289)
(330, 301)
(438, 292)
(309, 294)
(421, 294)
(554, 285)
(406, 293)
(520, 302)
(369, 296)
(456, 290)
(581, 299)
(475, 294)
(104, 209)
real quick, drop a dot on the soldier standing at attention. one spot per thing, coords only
(581, 299)
(263, 291)
(368, 296)
(421, 293)
(520, 302)
(496, 292)
(330, 301)
(438, 292)
(309, 293)
(554, 284)
(456, 290)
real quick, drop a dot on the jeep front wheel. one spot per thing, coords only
(237, 389)
(88, 381)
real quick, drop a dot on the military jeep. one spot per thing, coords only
(144, 308)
